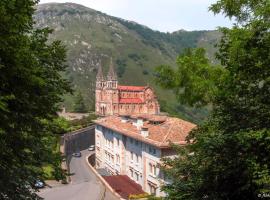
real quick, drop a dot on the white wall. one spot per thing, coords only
(146, 154)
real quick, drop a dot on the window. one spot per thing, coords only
(154, 170)
(131, 155)
(137, 176)
(118, 143)
(136, 142)
(131, 173)
(137, 158)
(118, 159)
(153, 190)
(152, 150)
(112, 158)
(150, 168)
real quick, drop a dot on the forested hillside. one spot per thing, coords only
(92, 37)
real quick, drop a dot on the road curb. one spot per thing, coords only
(106, 185)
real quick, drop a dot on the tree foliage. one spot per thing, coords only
(79, 105)
(195, 80)
(229, 155)
(30, 90)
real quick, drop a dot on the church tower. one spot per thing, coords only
(100, 86)
(112, 82)
(100, 81)
(112, 92)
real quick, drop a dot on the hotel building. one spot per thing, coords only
(134, 145)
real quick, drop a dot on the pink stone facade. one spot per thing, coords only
(114, 99)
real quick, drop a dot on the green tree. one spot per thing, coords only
(229, 155)
(31, 87)
(194, 81)
(79, 105)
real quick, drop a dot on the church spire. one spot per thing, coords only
(111, 74)
(100, 76)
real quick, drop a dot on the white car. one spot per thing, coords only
(39, 184)
(91, 148)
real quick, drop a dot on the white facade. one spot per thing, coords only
(121, 154)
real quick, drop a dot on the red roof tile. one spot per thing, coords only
(123, 185)
(131, 88)
(170, 130)
(130, 100)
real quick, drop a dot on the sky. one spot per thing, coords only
(162, 15)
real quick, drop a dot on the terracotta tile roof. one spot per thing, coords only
(130, 100)
(149, 117)
(123, 185)
(159, 134)
(131, 88)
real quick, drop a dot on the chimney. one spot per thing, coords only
(139, 123)
(144, 132)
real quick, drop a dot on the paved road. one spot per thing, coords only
(84, 184)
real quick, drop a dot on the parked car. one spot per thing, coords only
(77, 154)
(39, 184)
(91, 148)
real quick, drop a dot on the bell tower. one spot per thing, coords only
(112, 81)
(100, 81)
(100, 85)
(112, 92)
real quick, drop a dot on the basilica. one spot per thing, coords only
(115, 99)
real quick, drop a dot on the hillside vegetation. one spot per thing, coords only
(92, 37)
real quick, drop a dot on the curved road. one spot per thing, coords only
(84, 184)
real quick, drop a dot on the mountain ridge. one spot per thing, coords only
(92, 37)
